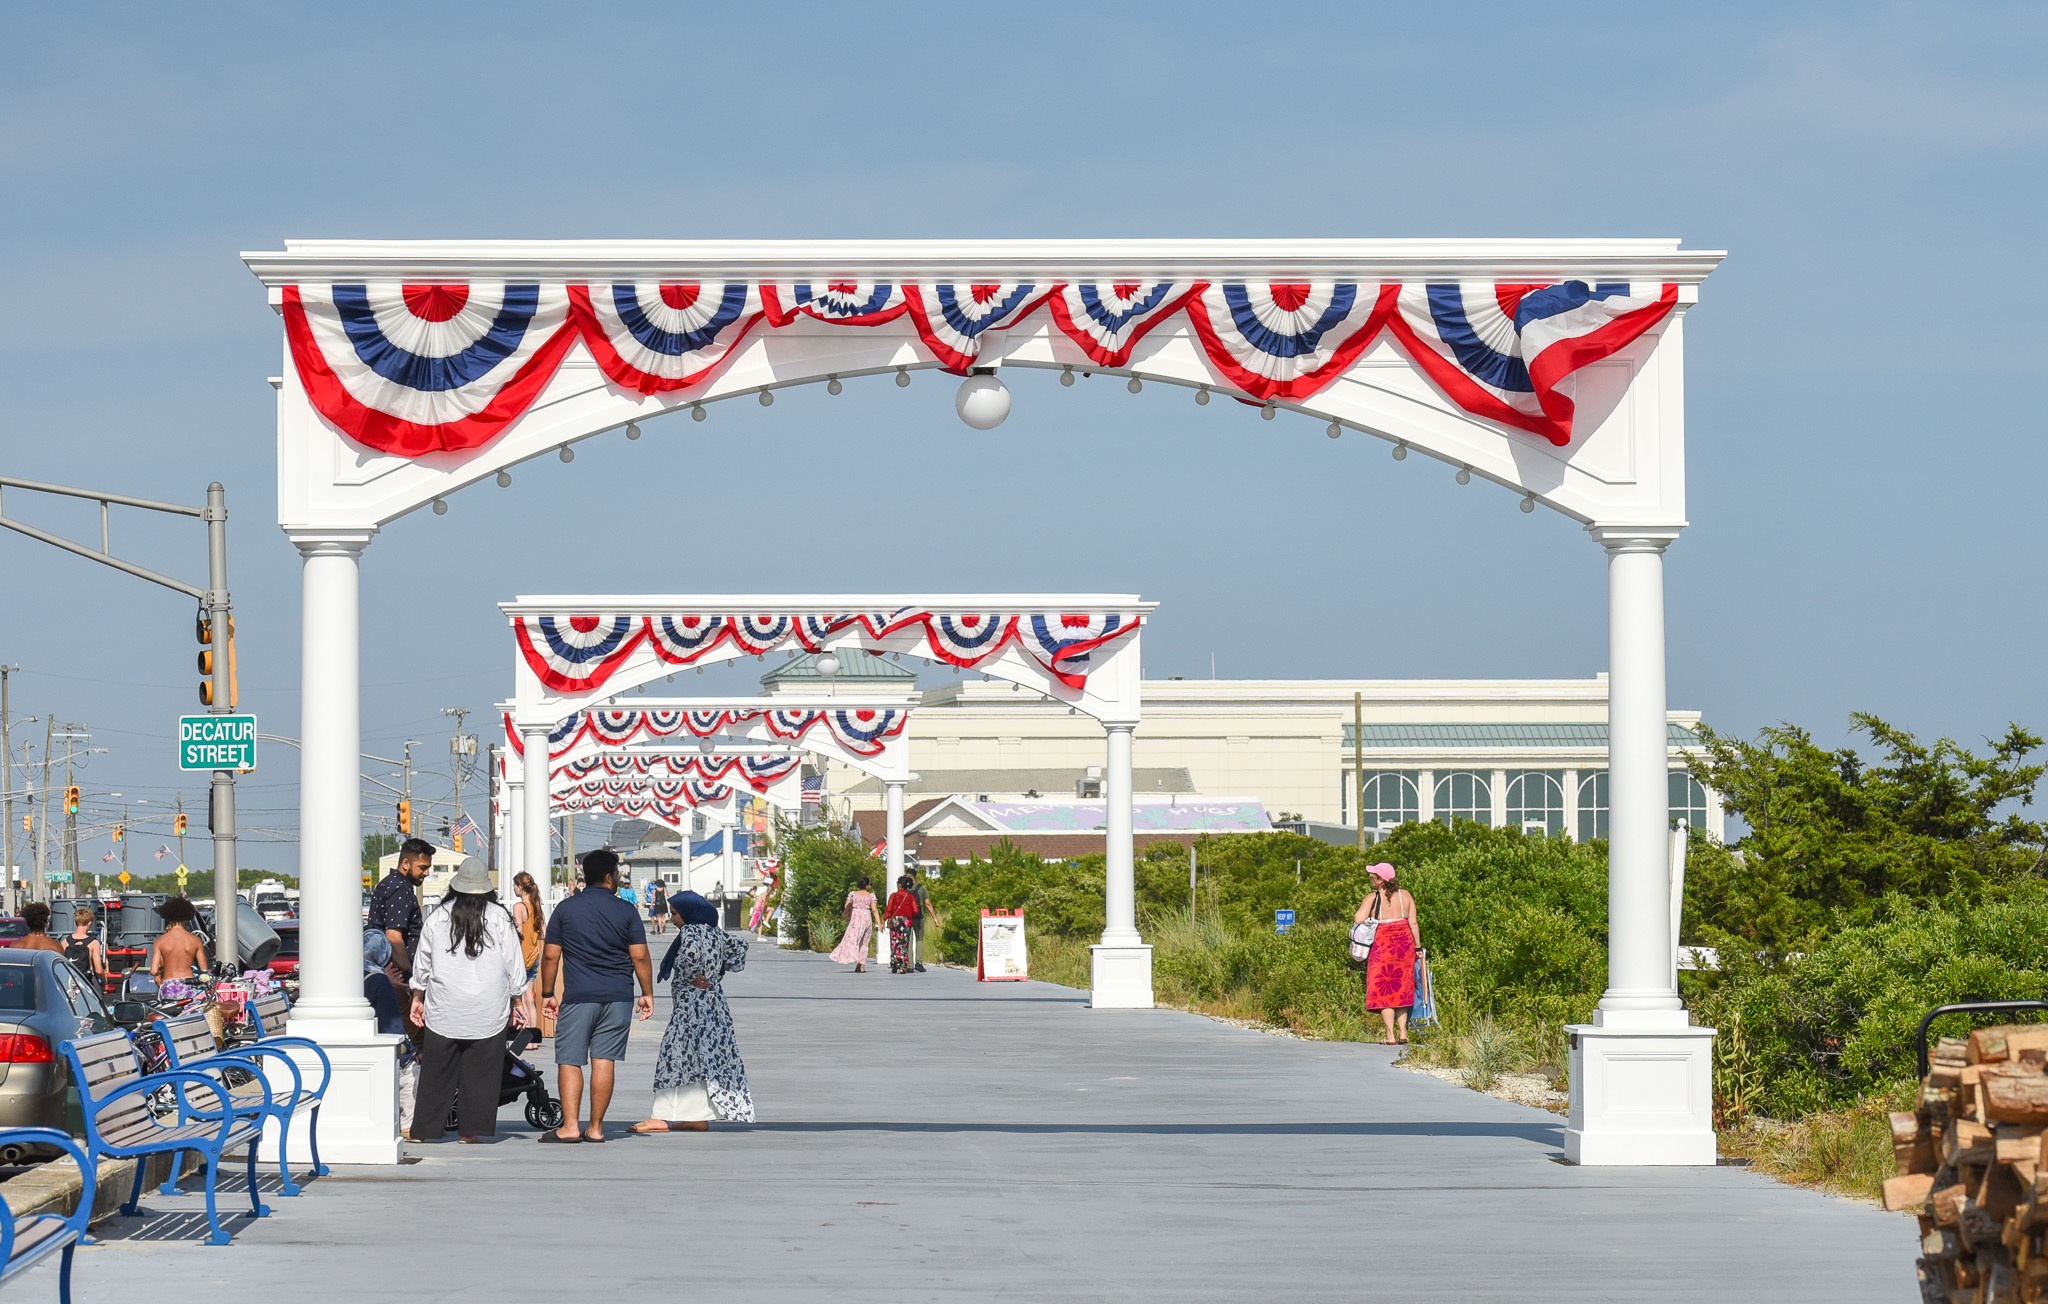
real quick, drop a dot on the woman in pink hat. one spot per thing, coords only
(1390, 965)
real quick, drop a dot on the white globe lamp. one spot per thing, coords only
(983, 401)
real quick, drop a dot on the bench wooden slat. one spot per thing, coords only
(31, 1230)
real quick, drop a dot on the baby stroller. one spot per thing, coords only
(520, 1078)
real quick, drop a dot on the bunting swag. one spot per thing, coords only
(859, 731)
(758, 772)
(577, 653)
(412, 370)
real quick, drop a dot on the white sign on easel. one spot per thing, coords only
(1001, 957)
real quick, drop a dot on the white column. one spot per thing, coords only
(1122, 963)
(728, 858)
(359, 1118)
(1638, 846)
(509, 862)
(892, 830)
(536, 850)
(1498, 782)
(330, 786)
(1571, 805)
(1641, 1076)
(1425, 793)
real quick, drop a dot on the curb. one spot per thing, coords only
(54, 1187)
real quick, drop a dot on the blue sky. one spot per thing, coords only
(1865, 438)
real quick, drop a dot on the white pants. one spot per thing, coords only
(689, 1103)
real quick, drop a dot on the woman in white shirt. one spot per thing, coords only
(467, 981)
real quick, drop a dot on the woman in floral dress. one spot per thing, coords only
(698, 1075)
(862, 919)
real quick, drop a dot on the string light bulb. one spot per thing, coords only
(1134, 385)
(697, 412)
(1464, 475)
(504, 479)
(902, 377)
(1067, 377)
(1335, 431)
(440, 507)
(1201, 396)
(1528, 503)
(568, 454)
(767, 398)
(1401, 452)
(833, 387)
(1266, 412)
(632, 430)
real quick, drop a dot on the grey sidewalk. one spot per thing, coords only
(926, 1137)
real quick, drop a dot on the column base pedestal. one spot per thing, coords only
(1641, 1094)
(1121, 978)
(359, 1117)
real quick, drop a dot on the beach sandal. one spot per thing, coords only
(590, 1140)
(554, 1138)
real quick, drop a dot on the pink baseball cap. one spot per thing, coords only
(1381, 870)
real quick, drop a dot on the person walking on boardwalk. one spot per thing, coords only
(177, 952)
(532, 922)
(901, 916)
(1390, 965)
(657, 905)
(82, 948)
(862, 919)
(37, 916)
(468, 982)
(599, 946)
(699, 1076)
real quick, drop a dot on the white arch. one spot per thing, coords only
(1620, 473)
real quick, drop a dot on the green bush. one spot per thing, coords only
(822, 866)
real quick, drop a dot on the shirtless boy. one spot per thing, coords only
(177, 952)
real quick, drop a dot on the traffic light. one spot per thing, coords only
(27, 824)
(178, 824)
(204, 632)
(405, 817)
(71, 800)
(119, 833)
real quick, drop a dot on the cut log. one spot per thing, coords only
(1910, 1192)
(2015, 1098)
(1946, 1203)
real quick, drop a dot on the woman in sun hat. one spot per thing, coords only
(1390, 965)
(468, 982)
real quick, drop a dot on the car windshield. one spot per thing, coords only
(13, 928)
(17, 987)
(288, 941)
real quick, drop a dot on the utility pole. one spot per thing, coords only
(221, 808)
(459, 746)
(70, 815)
(7, 785)
(42, 886)
(181, 839)
(124, 844)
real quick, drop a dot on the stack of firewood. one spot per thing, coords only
(1970, 1162)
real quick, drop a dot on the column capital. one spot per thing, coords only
(1634, 538)
(1120, 726)
(331, 542)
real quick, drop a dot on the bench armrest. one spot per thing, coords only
(247, 1055)
(214, 1064)
(174, 1078)
(81, 1217)
(299, 1043)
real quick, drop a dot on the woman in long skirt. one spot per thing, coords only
(863, 917)
(698, 1075)
(1390, 965)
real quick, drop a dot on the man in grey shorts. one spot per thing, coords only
(599, 946)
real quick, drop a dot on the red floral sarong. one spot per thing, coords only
(1390, 968)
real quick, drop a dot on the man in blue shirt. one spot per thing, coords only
(598, 945)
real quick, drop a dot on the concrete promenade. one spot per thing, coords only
(923, 1137)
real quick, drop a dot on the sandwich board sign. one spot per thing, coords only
(217, 742)
(1000, 957)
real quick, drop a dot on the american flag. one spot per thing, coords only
(109, 856)
(162, 851)
(814, 790)
(464, 825)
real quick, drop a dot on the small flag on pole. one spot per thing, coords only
(161, 852)
(109, 856)
(465, 826)
(814, 790)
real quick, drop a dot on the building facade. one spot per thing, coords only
(1504, 752)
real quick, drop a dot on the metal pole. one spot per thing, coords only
(42, 883)
(124, 844)
(222, 806)
(181, 843)
(70, 816)
(7, 786)
(1358, 762)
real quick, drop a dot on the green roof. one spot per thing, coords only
(1501, 735)
(855, 667)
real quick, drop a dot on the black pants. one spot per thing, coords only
(464, 1073)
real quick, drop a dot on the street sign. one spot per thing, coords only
(217, 742)
(183, 874)
(1283, 920)
(57, 876)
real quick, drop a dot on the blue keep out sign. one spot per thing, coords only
(1283, 920)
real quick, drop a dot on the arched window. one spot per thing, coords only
(1593, 806)
(1536, 797)
(1389, 797)
(1464, 795)
(1688, 800)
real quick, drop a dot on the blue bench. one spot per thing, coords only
(129, 1116)
(28, 1240)
(189, 1043)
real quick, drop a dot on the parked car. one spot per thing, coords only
(44, 1002)
(12, 931)
(285, 963)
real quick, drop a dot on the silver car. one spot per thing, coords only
(44, 1002)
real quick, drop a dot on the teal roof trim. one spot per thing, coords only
(855, 666)
(1580, 735)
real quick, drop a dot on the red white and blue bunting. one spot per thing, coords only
(573, 653)
(859, 731)
(418, 369)
(760, 773)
